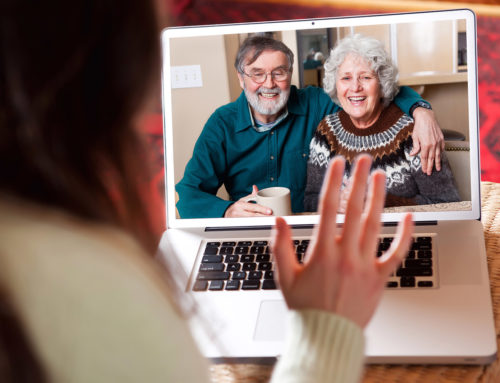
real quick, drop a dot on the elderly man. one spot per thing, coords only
(262, 139)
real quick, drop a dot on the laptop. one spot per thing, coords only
(440, 314)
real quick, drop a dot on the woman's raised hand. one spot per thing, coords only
(341, 272)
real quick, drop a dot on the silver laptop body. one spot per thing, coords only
(451, 322)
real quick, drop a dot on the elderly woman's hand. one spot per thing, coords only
(428, 139)
(341, 272)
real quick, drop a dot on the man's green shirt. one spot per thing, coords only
(230, 151)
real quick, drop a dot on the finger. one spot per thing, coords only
(430, 162)
(438, 158)
(355, 204)
(256, 208)
(329, 201)
(399, 247)
(255, 189)
(247, 209)
(416, 148)
(423, 159)
(283, 253)
(371, 222)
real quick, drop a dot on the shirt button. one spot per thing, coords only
(272, 157)
(272, 179)
(304, 155)
(272, 132)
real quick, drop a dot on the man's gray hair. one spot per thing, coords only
(254, 46)
(373, 52)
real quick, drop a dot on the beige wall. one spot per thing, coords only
(450, 105)
(192, 106)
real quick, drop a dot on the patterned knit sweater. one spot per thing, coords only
(389, 142)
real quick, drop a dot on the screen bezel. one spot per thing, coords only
(275, 26)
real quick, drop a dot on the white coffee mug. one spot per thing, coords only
(276, 198)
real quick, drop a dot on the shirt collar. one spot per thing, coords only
(245, 119)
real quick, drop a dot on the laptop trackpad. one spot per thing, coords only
(271, 321)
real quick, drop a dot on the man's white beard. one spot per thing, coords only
(267, 107)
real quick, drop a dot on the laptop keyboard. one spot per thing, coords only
(248, 265)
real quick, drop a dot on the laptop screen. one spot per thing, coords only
(434, 53)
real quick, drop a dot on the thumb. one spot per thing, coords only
(416, 148)
(255, 189)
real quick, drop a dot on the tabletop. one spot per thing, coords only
(490, 209)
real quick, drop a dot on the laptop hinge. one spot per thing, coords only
(246, 228)
(418, 223)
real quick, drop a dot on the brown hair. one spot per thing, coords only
(253, 46)
(73, 76)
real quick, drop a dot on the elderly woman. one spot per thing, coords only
(360, 77)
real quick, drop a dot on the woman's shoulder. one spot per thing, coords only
(89, 296)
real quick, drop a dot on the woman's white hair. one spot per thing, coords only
(373, 52)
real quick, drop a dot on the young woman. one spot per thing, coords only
(82, 299)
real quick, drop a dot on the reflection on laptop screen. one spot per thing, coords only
(435, 55)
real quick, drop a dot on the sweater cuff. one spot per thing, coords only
(321, 347)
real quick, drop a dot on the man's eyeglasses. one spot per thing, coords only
(261, 77)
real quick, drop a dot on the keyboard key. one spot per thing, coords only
(255, 275)
(200, 286)
(260, 243)
(233, 266)
(249, 266)
(263, 257)
(233, 285)
(213, 244)
(269, 274)
(241, 250)
(226, 250)
(216, 285)
(423, 246)
(251, 285)
(257, 249)
(211, 259)
(427, 263)
(239, 275)
(392, 284)
(232, 258)
(248, 258)
(211, 250)
(213, 275)
(300, 257)
(424, 239)
(264, 266)
(414, 272)
(407, 281)
(212, 267)
(245, 243)
(269, 284)
(301, 248)
(424, 254)
(425, 284)
(228, 243)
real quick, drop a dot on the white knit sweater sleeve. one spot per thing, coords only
(320, 347)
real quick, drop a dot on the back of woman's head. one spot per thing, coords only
(73, 75)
